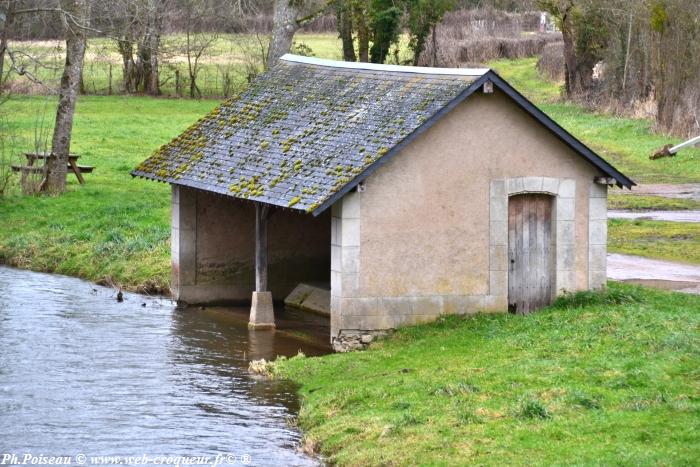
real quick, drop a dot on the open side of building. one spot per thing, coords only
(444, 192)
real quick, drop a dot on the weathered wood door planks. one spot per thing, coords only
(529, 245)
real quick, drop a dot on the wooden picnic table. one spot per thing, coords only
(78, 170)
(30, 168)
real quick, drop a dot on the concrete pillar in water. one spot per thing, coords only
(183, 242)
(262, 313)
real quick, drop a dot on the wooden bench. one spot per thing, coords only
(27, 169)
(27, 182)
(85, 169)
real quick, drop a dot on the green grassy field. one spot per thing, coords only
(114, 229)
(650, 203)
(674, 241)
(223, 70)
(594, 380)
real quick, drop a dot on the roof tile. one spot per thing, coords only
(301, 131)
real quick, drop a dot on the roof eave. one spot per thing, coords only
(575, 144)
(149, 176)
(469, 90)
(580, 148)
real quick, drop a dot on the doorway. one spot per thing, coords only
(530, 252)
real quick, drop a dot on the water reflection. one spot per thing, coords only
(81, 373)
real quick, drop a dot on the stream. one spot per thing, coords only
(85, 376)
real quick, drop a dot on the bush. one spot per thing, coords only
(551, 61)
(476, 36)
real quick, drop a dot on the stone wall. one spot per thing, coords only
(213, 248)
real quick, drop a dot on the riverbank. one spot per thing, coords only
(115, 230)
(595, 379)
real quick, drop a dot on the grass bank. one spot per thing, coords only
(595, 379)
(674, 241)
(114, 229)
(650, 203)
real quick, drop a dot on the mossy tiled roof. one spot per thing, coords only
(303, 130)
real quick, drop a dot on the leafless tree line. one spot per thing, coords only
(644, 53)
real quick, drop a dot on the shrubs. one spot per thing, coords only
(477, 36)
(551, 61)
(482, 50)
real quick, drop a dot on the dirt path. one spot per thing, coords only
(654, 273)
(671, 216)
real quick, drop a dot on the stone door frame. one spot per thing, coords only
(563, 190)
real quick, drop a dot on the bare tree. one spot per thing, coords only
(289, 16)
(137, 27)
(75, 16)
(7, 14)
(198, 41)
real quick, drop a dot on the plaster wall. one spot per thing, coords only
(213, 254)
(422, 241)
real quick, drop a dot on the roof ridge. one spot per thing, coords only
(382, 67)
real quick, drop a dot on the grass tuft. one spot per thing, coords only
(588, 298)
(533, 409)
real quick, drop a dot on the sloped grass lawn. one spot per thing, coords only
(114, 229)
(597, 379)
(650, 203)
(674, 241)
(625, 142)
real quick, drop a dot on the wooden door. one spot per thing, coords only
(530, 261)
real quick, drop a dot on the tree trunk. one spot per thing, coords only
(344, 15)
(570, 63)
(155, 23)
(4, 37)
(628, 48)
(435, 46)
(143, 65)
(76, 11)
(362, 34)
(126, 50)
(284, 25)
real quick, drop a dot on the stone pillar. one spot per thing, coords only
(262, 312)
(565, 236)
(345, 271)
(597, 236)
(183, 242)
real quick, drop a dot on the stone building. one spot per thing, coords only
(413, 192)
